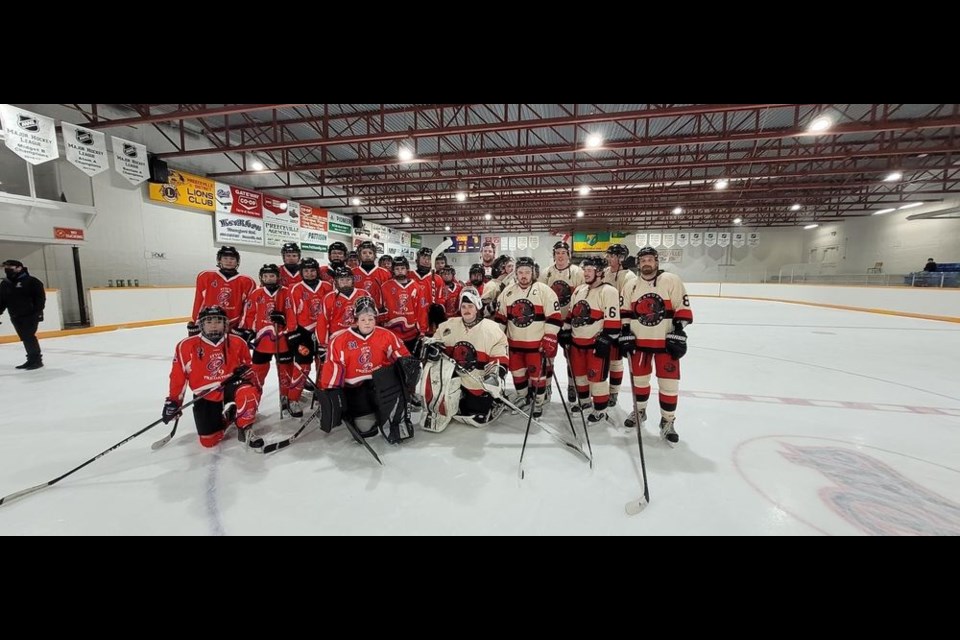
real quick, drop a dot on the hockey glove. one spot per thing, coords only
(677, 341)
(248, 336)
(242, 373)
(432, 351)
(278, 318)
(601, 347)
(293, 338)
(627, 341)
(171, 409)
(565, 338)
(549, 345)
(193, 329)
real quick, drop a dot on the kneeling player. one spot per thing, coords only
(218, 360)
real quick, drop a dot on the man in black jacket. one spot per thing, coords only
(24, 297)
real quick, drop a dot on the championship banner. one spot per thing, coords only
(683, 239)
(655, 240)
(534, 242)
(236, 200)
(753, 238)
(130, 161)
(723, 239)
(185, 190)
(313, 228)
(696, 238)
(30, 135)
(669, 239)
(588, 242)
(710, 238)
(641, 240)
(511, 243)
(281, 222)
(739, 239)
(339, 224)
(85, 149)
(522, 243)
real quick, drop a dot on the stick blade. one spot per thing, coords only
(636, 506)
(160, 443)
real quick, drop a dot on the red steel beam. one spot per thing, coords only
(186, 114)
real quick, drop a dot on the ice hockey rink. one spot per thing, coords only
(794, 420)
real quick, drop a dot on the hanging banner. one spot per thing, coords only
(522, 243)
(339, 224)
(591, 241)
(671, 255)
(641, 240)
(739, 239)
(723, 239)
(85, 149)
(654, 240)
(130, 161)
(511, 243)
(696, 238)
(534, 242)
(30, 135)
(669, 239)
(236, 200)
(753, 238)
(710, 238)
(313, 228)
(185, 190)
(281, 222)
(683, 239)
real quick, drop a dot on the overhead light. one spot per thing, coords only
(446, 228)
(882, 211)
(256, 165)
(795, 207)
(355, 202)
(893, 176)
(488, 216)
(722, 183)
(922, 155)
(594, 140)
(461, 196)
(406, 218)
(811, 226)
(910, 205)
(820, 124)
(737, 220)
(584, 190)
(677, 211)
(579, 213)
(405, 154)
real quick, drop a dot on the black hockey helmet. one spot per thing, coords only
(401, 261)
(309, 263)
(596, 262)
(560, 245)
(229, 252)
(213, 311)
(290, 247)
(270, 268)
(341, 271)
(337, 246)
(648, 251)
(619, 250)
(364, 305)
(476, 267)
(448, 269)
(496, 269)
(367, 244)
(424, 251)
(526, 262)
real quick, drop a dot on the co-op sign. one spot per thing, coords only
(235, 200)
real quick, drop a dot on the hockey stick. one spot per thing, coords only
(34, 489)
(636, 506)
(167, 438)
(276, 353)
(445, 244)
(570, 420)
(352, 428)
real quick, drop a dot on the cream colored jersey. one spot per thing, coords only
(528, 314)
(563, 282)
(653, 306)
(593, 310)
(473, 347)
(623, 281)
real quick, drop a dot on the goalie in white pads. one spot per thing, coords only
(475, 353)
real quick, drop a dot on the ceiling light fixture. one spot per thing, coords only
(820, 124)
(580, 213)
(811, 226)
(584, 190)
(355, 202)
(406, 218)
(461, 196)
(883, 211)
(677, 211)
(446, 228)
(488, 216)
(405, 153)
(893, 176)
(737, 220)
(594, 140)
(722, 183)
(910, 205)
(256, 165)
(795, 207)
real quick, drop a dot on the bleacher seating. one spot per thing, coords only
(947, 272)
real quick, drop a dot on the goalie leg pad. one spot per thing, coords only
(331, 408)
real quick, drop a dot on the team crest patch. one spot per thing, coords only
(670, 367)
(563, 291)
(216, 362)
(580, 314)
(465, 354)
(521, 313)
(649, 309)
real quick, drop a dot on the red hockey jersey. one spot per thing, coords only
(352, 358)
(337, 314)
(202, 364)
(262, 303)
(214, 288)
(432, 283)
(451, 298)
(289, 279)
(308, 303)
(406, 307)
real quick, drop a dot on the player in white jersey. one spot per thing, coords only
(563, 277)
(658, 310)
(622, 279)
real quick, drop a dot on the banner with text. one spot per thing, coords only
(236, 200)
(85, 149)
(30, 135)
(280, 221)
(313, 228)
(130, 160)
(185, 190)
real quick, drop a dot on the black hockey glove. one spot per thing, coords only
(601, 348)
(248, 336)
(565, 338)
(193, 329)
(677, 341)
(278, 318)
(627, 341)
(171, 409)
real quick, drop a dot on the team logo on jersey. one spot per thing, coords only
(521, 313)
(348, 317)
(200, 353)
(223, 298)
(563, 291)
(402, 300)
(214, 284)
(670, 367)
(365, 360)
(649, 309)
(314, 308)
(352, 344)
(216, 362)
(465, 354)
(580, 314)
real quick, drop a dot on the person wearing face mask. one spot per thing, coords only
(658, 309)
(223, 287)
(23, 296)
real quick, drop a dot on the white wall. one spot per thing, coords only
(120, 306)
